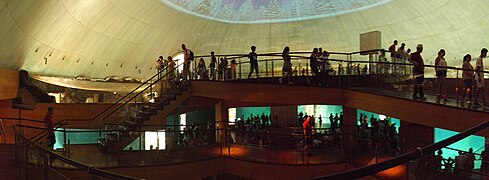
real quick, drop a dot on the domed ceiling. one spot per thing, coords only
(266, 11)
(123, 38)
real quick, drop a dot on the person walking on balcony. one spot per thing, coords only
(49, 122)
(479, 77)
(418, 71)
(253, 62)
(188, 56)
(212, 66)
(468, 78)
(287, 68)
(441, 75)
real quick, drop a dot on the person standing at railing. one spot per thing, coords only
(401, 57)
(382, 67)
(437, 160)
(307, 135)
(233, 69)
(418, 71)
(202, 70)
(226, 70)
(212, 66)
(479, 78)
(313, 63)
(160, 66)
(485, 162)
(325, 66)
(220, 69)
(253, 62)
(49, 122)
(287, 68)
(441, 75)
(468, 78)
(188, 56)
(470, 162)
(392, 50)
(171, 70)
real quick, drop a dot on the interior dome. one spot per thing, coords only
(269, 11)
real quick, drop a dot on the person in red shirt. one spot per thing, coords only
(307, 134)
(49, 122)
(418, 72)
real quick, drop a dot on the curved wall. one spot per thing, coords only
(100, 38)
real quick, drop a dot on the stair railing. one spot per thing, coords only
(130, 93)
(115, 107)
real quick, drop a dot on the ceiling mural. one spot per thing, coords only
(269, 11)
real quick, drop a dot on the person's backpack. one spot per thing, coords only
(191, 55)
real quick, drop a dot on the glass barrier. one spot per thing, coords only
(34, 160)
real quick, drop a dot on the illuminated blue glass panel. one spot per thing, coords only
(475, 142)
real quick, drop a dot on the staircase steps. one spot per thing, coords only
(118, 141)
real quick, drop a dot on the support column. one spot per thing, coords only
(221, 121)
(413, 135)
(350, 130)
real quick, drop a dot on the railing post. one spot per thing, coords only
(457, 88)
(240, 69)
(26, 158)
(45, 166)
(64, 140)
(228, 138)
(266, 68)
(273, 71)
(68, 152)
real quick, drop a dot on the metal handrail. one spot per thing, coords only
(22, 119)
(130, 99)
(88, 168)
(134, 90)
(405, 158)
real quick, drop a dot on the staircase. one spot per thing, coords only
(148, 113)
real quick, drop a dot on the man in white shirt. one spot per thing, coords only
(479, 77)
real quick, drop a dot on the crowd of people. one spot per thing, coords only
(461, 165)
(225, 69)
(255, 129)
(195, 135)
(379, 134)
(473, 78)
(320, 67)
(313, 133)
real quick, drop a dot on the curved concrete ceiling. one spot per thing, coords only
(100, 38)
